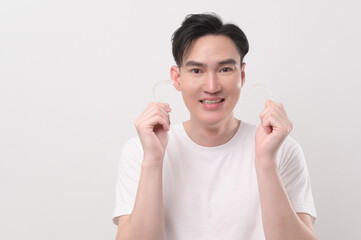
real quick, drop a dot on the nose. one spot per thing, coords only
(211, 83)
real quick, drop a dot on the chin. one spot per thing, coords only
(212, 120)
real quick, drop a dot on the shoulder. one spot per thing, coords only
(132, 149)
(248, 127)
(247, 131)
(289, 151)
(290, 155)
(289, 148)
(132, 144)
(176, 129)
(177, 133)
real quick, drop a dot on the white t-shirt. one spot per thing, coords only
(212, 192)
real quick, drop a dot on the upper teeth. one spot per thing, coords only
(211, 102)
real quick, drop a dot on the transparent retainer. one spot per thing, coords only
(156, 87)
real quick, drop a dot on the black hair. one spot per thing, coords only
(198, 25)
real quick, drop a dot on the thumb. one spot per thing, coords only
(268, 102)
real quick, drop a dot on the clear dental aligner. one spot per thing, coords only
(255, 86)
(156, 85)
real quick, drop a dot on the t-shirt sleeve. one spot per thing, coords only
(128, 178)
(295, 177)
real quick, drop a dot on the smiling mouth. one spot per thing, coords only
(211, 102)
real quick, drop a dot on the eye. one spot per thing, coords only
(226, 69)
(196, 70)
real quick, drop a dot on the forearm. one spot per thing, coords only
(147, 218)
(280, 221)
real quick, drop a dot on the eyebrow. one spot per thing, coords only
(223, 62)
(228, 61)
(194, 63)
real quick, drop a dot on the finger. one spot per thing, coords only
(268, 106)
(264, 112)
(277, 124)
(156, 110)
(268, 103)
(151, 122)
(269, 123)
(151, 110)
(158, 120)
(165, 106)
(275, 117)
(277, 110)
(166, 109)
(267, 128)
(281, 114)
(153, 105)
(266, 125)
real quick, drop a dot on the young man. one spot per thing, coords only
(213, 176)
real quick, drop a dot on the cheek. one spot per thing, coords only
(237, 94)
(234, 88)
(188, 93)
(238, 83)
(190, 88)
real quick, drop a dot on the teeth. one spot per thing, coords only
(212, 102)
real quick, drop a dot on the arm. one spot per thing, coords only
(280, 221)
(147, 219)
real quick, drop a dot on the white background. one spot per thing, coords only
(75, 74)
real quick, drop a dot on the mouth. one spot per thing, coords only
(211, 101)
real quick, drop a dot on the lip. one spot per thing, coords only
(211, 99)
(212, 106)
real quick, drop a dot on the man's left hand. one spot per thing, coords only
(273, 129)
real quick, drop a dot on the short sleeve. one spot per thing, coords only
(128, 178)
(294, 173)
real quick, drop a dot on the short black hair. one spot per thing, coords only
(198, 25)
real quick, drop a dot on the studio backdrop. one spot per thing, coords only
(75, 74)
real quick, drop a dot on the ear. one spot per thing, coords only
(175, 76)
(243, 73)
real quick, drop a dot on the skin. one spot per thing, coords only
(147, 218)
(212, 69)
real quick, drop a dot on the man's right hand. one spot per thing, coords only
(152, 126)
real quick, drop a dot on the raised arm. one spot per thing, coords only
(280, 221)
(147, 218)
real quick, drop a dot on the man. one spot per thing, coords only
(214, 176)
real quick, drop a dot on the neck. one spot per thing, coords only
(212, 135)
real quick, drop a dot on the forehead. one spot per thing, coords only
(211, 49)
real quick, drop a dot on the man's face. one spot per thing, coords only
(210, 79)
